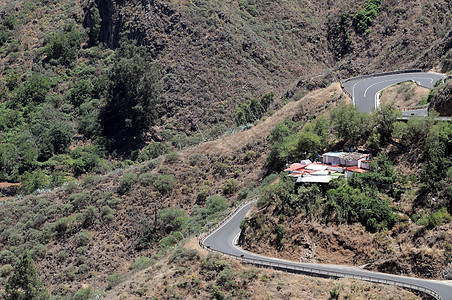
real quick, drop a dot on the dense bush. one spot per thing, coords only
(347, 204)
(216, 204)
(34, 90)
(230, 187)
(172, 218)
(141, 263)
(80, 93)
(126, 183)
(64, 46)
(183, 256)
(153, 150)
(147, 179)
(86, 159)
(348, 124)
(83, 294)
(164, 183)
(114, 279)
(365, 17)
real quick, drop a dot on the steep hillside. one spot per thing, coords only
(441, 99)
(86, 232)
(133, 126)
(221, 53)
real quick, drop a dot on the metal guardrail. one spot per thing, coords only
(204, 236)
(383, 74)
(302, 269)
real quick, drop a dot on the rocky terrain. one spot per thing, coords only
(105, 221)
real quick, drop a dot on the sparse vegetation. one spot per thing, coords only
(82, 135)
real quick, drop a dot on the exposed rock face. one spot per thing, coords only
(112, 21)
(442, 99)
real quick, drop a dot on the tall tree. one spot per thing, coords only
(133, 95)
(24, 283)
(348, 124)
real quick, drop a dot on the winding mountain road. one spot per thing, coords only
(365, 91)
(223, 239)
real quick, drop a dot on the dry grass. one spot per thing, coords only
(405, 95)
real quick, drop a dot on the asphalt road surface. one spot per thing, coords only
(365, 91)
(224, 240)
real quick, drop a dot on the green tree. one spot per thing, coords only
(172, 218)
(24, 283)
(309, 143)
(365, 17)
(348, 124)
(33, 181)
(34, 90)
(80, 93)
(86, 159)
(133, 95)
(383, 119)
(64, 46)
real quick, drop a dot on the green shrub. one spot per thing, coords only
(165, 183)
(63, 46)
(203, 193)
(213, 262)
(82, 238)
(114, 279)
(6, 270)
(152, 151)
(171, 240)
(195, 159)
(250, 156)
(242, 194)
(217, 293)
(33, 181)
(141, 263)
(220, 168)
(34, 90)
(79, 200)
(83, 269)
(146, 179)
(365, 17)
(126, 183)
(335, 293)
(86, 159)
(172, 218)
(107, 213)
(172, 157)
(83, 294)
(216, 204)
(230, 187)
(183, 256)
(253, 109)
(88, 217)
(438, 218)
(226, 278)
(38, 251)
(80, 93)
(68, 273)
